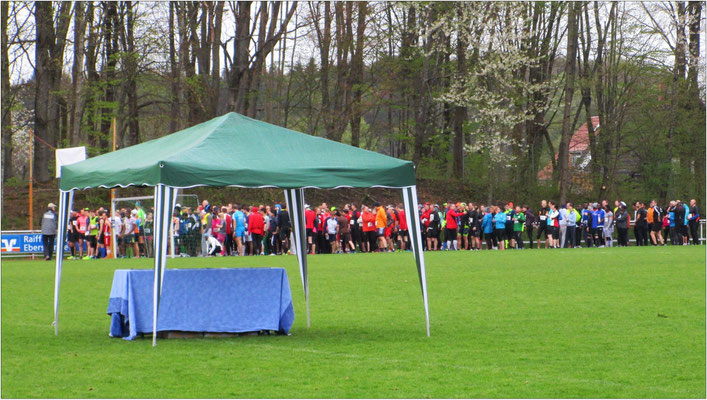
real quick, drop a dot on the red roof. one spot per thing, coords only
(580, 139)
(579, 143)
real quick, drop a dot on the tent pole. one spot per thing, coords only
(411, 206)
(171, 229)
(157, 241)
(164, 204)
(295, 205)
(65, 200)
(423, 272)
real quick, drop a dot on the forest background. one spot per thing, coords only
(482, 96)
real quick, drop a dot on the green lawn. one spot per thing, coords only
(620, 322)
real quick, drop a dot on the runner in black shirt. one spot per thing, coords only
(693, 221)
(530, 223)
(464, 227)
(541, 222)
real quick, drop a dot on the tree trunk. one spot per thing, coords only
(694, 9)
(110, 44)
(7, 97)
(130, 66)
(564, 150)
(215, 43)
(357, 75)
(175, 81)
(239, 71)
(76, 72)
(49, 59)
(324, 37)
(460, 111)
(90, 124)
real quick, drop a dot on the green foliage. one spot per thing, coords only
(531, 324)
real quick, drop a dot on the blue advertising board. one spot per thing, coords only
(23, 243)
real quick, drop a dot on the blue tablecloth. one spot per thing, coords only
(202, 300)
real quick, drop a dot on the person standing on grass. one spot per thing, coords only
(103, 234)
(118, 225)
(129, 235)
(403, 228)
(284, 228)
(608, 226)
(542, 222)
(50, 225)
(670, 214)
(694, 221)
(91, 233)
(650, 220)
(390, 227)
(239, 229)
(642, 224)
(309, 217)
(368, 229)
(553, 225)
(685, 233)
(571, 227)
(666, 226)
(72, 234)
(332, 228)
(228, 228)
(82, 226)
(564, 216)
(679, 216)
(657, 225)
(578, 228)
(587, 229)
(381, 223)
(530, 223)
(347, 244)
(500, 227)
(478, 230)
(256, 225)
(487, 227)
(518, 222)
(451, 229)
(598, 221)
(621, 218)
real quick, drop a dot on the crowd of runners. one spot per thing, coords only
(240, 230)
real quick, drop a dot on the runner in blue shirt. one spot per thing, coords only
(239, 219)
(598, 216)
(587, 224)
(500, 225)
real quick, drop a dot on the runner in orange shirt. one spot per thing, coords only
(381, 223)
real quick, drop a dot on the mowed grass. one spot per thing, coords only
(620, 322)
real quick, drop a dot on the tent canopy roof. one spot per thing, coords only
(234, 150)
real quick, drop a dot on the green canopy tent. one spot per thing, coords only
(231, 150)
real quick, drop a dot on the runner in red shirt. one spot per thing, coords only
(402, 228)
(228, 242)
(390, 228)
(368, 227)
(451, 232)
(256, 224)
(309, 217)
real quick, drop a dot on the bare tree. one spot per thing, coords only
(7, 97)
(564, 148)
(357, 74)
(49, 56)
(247, 68)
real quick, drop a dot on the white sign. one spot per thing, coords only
(69, 156)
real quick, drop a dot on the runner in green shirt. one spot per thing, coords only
(518, 223)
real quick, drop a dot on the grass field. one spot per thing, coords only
(595, 323)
